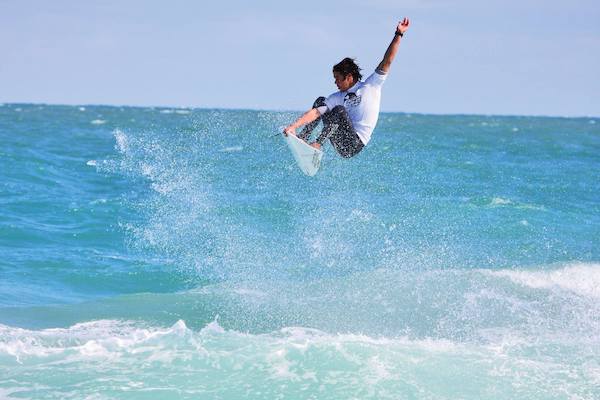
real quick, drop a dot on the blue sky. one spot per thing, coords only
(528, 57)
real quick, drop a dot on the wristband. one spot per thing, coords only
(398, 33)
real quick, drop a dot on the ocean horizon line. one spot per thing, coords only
(220, 108)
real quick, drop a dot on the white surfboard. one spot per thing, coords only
(307, 157)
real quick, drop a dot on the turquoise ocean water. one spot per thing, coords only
(156, 253)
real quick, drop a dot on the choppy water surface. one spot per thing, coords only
(178, 253)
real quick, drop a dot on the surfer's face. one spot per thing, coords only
(342, 82)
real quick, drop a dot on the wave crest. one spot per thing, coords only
(581, 279)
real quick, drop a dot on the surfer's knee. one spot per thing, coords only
(338, 110)
(319, 102)
(349, 152)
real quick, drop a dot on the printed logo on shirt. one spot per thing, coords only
(352, 100)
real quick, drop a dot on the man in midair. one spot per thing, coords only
(349, 115)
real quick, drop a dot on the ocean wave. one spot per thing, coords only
(98, 122)
(103, 338)
(112, 338)
(581, 279)
(228, 363)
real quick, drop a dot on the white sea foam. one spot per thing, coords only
(499, 201)
(163, 358)
(98, 122)
(180, 111)
(232, 149)
(311, 336)
(96, 339)
(101, 165)
(531, 207)
(6, 393)
(213, 327)
(112, 338)
(502, 202)
(98, 201)
(81, 108)
(581, 279)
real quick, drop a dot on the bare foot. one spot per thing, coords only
(316, 145)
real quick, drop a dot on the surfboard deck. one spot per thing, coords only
(307, 157)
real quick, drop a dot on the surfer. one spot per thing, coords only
(349, 115)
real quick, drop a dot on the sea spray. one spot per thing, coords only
(181, 254)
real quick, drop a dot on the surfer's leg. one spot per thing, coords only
(339, 130)
(332, 121)
(308, 128)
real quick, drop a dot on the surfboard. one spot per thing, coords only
(307, 157)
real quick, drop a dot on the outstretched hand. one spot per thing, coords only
(403, 26)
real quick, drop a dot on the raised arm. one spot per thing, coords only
(390, 53)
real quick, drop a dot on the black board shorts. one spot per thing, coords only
(338, 128)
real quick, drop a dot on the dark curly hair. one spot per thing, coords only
(348, 66)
